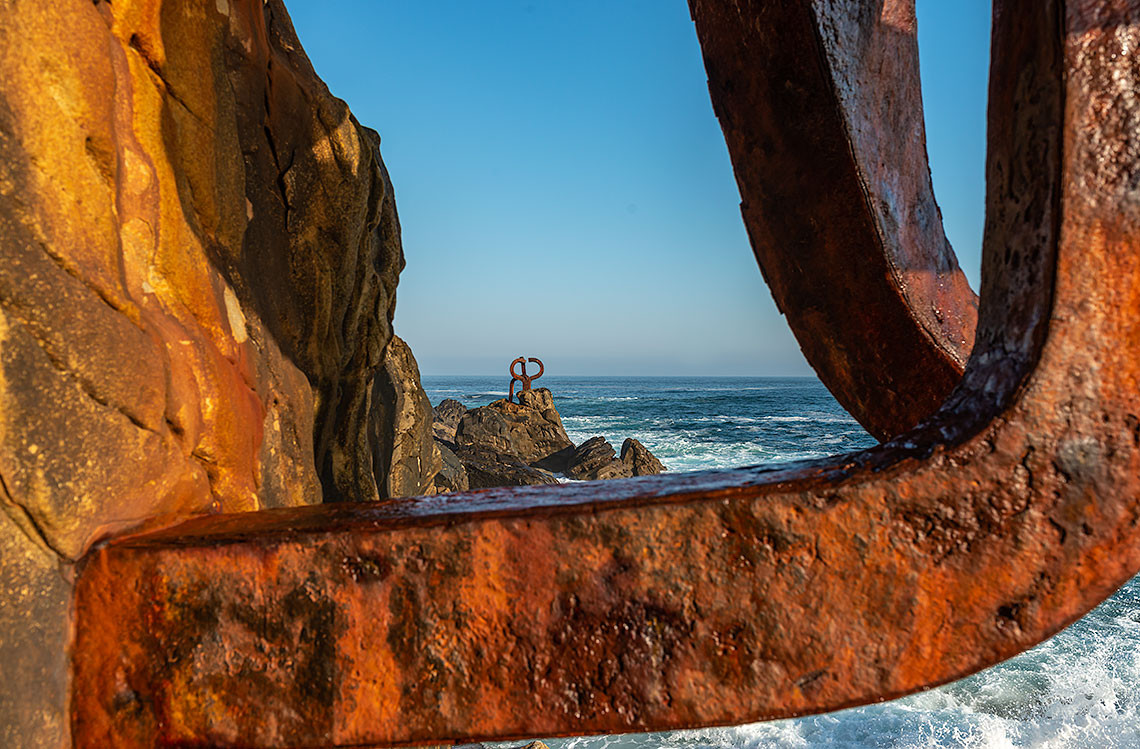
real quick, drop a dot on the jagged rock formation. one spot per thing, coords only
(402, 440)
(530, 431)
(487, 468)
(445, 418)
(640, 461)
(199, 252)
(452, 476)
(515, 444)
(595, 459)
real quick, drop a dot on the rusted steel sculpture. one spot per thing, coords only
(722, 596)
(523, 378)
(821, 106)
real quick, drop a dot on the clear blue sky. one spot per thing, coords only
(564, 188)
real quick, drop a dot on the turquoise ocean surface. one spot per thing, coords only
(1079, 689)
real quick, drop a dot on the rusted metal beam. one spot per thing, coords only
(821, 108)
(715, 597)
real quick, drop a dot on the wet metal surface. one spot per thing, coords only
(715, 597)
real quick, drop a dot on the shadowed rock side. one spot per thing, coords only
(401, 416)
(445, 418)
(640, 461)
(485, 468)
(199, 252)
(596, 459)
(452, 476)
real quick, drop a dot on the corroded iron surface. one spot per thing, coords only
(714, 597)
(821, 108)
(522, 376)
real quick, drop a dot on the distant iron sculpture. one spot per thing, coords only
(523, 378)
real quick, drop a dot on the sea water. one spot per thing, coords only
(1079, 689)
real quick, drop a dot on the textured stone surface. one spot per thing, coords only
(640, 461)
(487, 469)
(445, 418)
(531, 431)
(595, 459)
(540, 399)
(404, 450)
(199, 251)
(452, 476)
(34, 634)
(200, 254)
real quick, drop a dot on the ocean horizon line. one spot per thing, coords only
(596, 376)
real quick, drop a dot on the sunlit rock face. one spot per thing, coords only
(199, 252)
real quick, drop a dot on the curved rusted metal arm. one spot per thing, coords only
(821, 109)
(520, 377)
(714, 597)
(541, 369)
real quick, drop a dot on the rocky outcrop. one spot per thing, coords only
(445, 418)
(595, 459)
(487, 468)
(638, 459)
(452, 476)
(199, 252)
(530, 431)
(403, 448)
(502, 444)
(200, 256)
